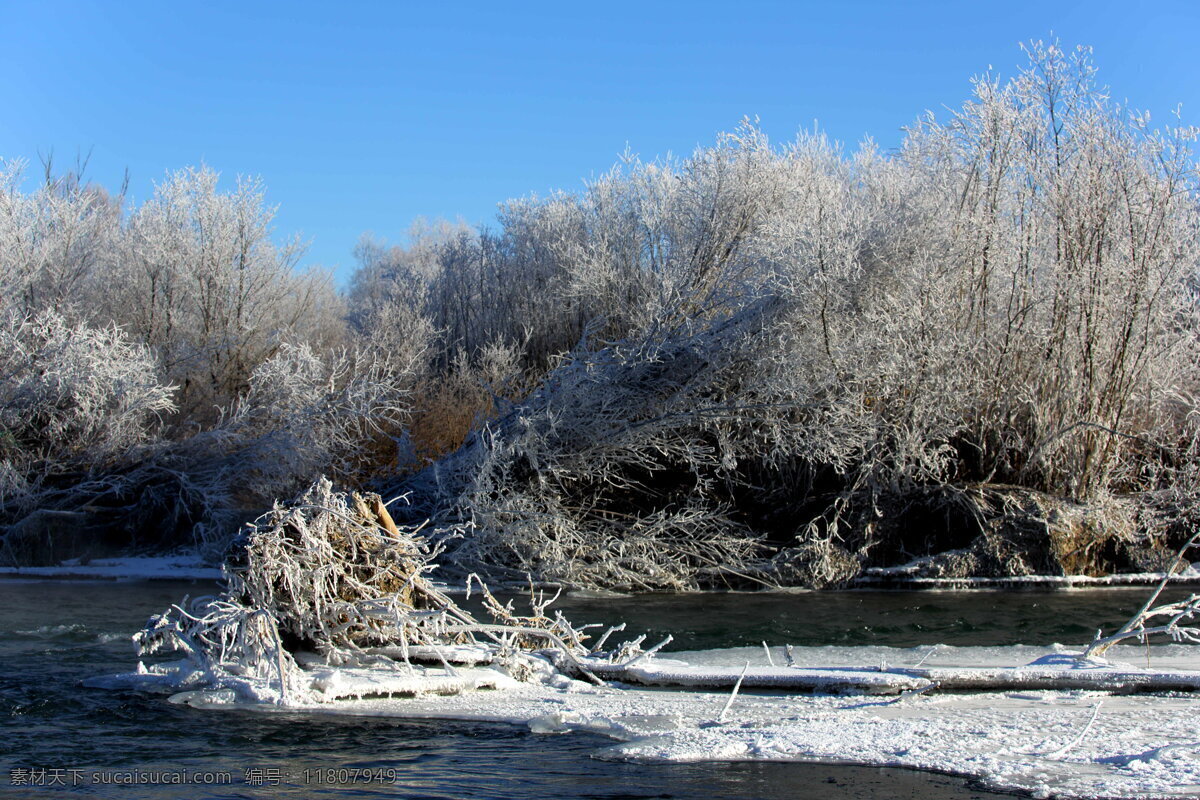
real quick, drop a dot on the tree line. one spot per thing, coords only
(759, 359)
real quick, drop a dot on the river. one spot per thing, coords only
(101, 743)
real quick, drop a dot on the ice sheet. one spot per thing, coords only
(1068, 743)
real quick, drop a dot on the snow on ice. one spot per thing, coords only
(1049, 742)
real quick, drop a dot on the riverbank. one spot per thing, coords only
(191, 566)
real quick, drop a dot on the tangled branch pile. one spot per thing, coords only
(331, 580)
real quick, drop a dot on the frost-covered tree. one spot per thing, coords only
(54, 241)
(152, 325)
(194, 274)
(204, 284)
(73, 399)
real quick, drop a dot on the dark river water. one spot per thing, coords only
(100, 743)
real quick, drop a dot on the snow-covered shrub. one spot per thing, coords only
(305, 416)
(73, 397)
(80, 407)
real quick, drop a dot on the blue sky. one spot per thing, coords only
(362, 116)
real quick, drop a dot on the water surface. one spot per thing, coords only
(55, 634)
(977, 617)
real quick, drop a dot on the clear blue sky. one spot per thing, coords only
(363, 116)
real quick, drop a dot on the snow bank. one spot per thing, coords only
(1066, 743)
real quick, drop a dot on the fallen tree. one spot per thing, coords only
(611, 472)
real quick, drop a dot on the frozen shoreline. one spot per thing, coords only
(908, 576)
(907, 582)
(189, 566)
(1061, 743)
(147, 568)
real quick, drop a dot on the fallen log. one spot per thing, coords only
(1060, 672)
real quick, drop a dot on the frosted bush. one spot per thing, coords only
(72, 396)
(305, 415)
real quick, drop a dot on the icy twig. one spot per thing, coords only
(604, 637)
(1175, 612)
(1060, 752)
(932, 649)
(649, 652)
(733, 694)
